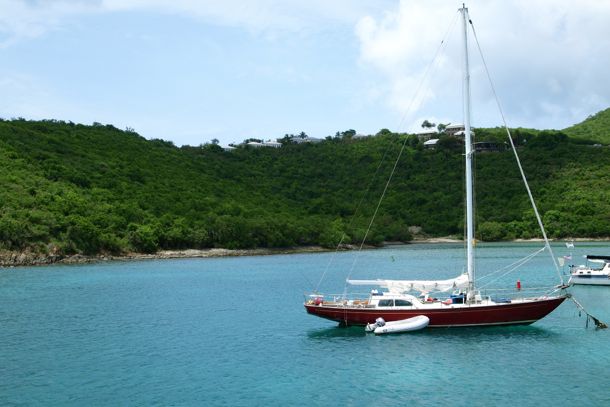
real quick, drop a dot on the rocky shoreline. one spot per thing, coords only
(29, 258)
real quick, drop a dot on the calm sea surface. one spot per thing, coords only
(233, 332)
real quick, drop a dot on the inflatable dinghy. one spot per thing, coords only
(381, 327)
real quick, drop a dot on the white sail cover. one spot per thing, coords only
(423, 286)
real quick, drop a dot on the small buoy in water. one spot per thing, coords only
(518, 284)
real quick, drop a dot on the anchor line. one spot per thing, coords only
(598, 324)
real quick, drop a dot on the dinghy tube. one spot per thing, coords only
(380, 326)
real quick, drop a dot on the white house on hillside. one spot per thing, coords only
(431, 143)
(307, 139)
(272, 144)
(268, 143)
(462, 133)
(453, 129)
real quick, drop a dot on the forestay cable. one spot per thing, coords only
(511, 267)
(529, 192)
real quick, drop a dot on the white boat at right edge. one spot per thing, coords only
(590, 275)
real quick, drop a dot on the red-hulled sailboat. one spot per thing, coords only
(466, 306)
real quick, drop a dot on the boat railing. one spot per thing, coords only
(514, 293)
(351, 299)
(362, 299)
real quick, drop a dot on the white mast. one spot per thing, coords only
(468, 143)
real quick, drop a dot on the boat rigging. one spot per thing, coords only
(465, 305)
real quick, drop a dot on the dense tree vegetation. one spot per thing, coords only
(71, 188)
(596, 127)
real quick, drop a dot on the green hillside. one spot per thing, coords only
(71, 188)
(596, 128)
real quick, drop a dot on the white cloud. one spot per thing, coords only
(29, 19)
(548, 59)
(257, 15)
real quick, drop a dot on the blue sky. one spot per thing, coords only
(191, 71)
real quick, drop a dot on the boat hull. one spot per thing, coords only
(516, 313)
(590, 280)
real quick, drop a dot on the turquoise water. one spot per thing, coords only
(233, 332)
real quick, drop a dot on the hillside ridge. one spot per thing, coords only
(75, 189)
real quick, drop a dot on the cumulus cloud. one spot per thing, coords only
(548, 59)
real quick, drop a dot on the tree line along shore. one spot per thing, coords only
(70, 190)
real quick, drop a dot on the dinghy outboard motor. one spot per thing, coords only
(378, 322)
